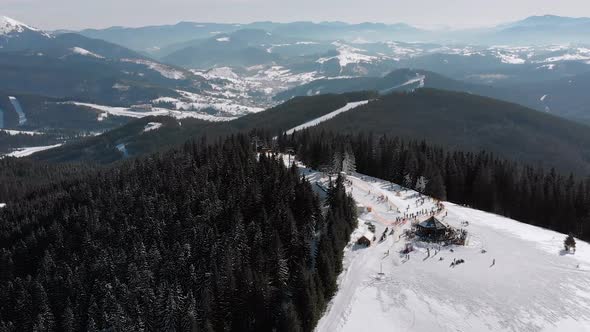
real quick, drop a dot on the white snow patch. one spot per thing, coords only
(223, 39)
(10, 26)
(543, 98)
(349, 55)
(418, 79)
(25, 152)
(105, 111)
(166, 71)
(152, 126)
(20, 132)
(81, 51)
(328, 116)
(512, 59)
(2, 205)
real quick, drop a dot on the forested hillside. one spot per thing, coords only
(478, 179)
(206, 238)
(102, 149)
(473, 123)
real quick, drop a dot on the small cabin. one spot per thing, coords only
(366, 240)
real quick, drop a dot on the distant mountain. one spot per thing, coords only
(566, 97)
(396, 81)
(240, 48)
(152, 39)
(15, 35)
(540, 30)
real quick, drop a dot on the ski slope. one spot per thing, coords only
(533, 286)
(327, 117)
(25, 152)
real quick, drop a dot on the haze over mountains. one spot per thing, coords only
(534, 30)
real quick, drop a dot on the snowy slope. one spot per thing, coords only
(533, 286)
(25, 152)
(12, 26)
(327, 117)
(105, 111)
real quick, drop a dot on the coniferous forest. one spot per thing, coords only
(532, 195)
(202, 238)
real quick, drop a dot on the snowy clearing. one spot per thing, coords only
(348, 55)
(2, 205)
(25, 152)
(81, 51)
(22, 118)
(533, 285)
(20, 132)
(152, 126)
(328, 116)
(105, 111)
(166, 71)
(420, 79)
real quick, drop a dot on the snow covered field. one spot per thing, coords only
(533, 285)
(25, 152)
(105, 111)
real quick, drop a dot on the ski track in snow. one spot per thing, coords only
(418, 79)
(534, 286)
(327, 117)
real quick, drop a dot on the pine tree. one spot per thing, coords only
(349, 163)
(570, 243)
(337, 161)
(421, 183)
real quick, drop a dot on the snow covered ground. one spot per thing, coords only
(152, 126)
(105, 111)
(25, 152)
(328, 116)
(20, 132)
(533, 286)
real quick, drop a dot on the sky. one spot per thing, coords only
(79, 14)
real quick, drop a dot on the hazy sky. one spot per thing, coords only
(75, 14)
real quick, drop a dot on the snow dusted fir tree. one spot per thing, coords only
(408, 181)
(337, 162)
(349, 163)
(421, 184)
(570, 243)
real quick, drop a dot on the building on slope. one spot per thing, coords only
(366, 240)
(431, 229)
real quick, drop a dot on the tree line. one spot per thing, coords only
(207, 237)
(482, 180)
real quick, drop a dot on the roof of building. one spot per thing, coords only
(368, 235)
(432, 223)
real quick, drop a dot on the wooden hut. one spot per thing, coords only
(366, 240)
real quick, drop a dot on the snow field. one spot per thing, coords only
(533, 286)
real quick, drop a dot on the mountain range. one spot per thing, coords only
(534, 30)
